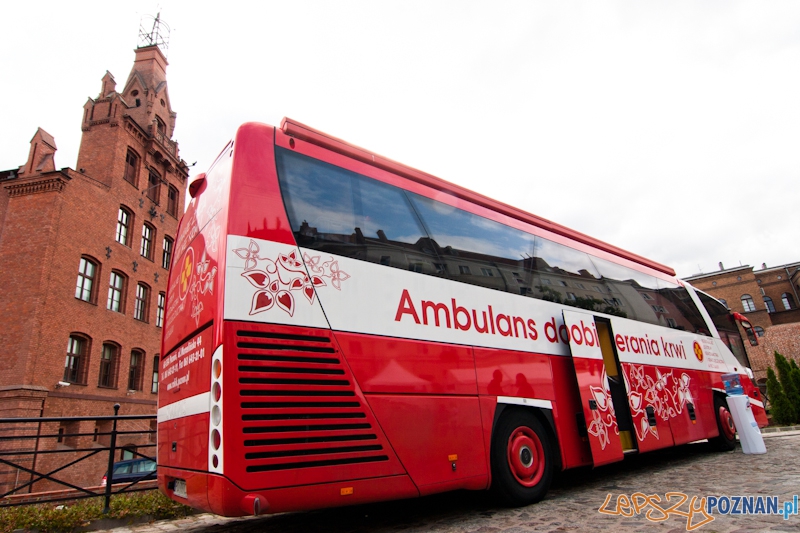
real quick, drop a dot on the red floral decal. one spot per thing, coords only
(276, 280)
(648, 387)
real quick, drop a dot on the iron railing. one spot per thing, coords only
(48, 459)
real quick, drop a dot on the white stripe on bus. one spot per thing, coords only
(193, 405)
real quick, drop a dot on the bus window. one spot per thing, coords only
(340, 212)
(726, 326)
(477, 250)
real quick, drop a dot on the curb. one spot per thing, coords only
(778, 429)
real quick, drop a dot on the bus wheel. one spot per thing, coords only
(727, 431)
(522, 459)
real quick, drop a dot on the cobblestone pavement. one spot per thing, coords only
(572, 504)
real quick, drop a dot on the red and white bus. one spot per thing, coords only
(341, 328)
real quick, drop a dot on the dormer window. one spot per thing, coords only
(160, 126)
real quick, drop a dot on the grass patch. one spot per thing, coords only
(61, 517)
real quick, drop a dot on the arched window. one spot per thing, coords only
(77, 361)
(116, 292)
(142, 304)
(167, 257)
(148, 237)
(154, 386)
(131, 166)
(748, 303)
(788, 301)
(135, 372)
(769, 304)
(124, 225)
(86, 289)
(162, 299)
(759, 331)
(723, 302)
(154, 186)
(109, 366)
(172, 201)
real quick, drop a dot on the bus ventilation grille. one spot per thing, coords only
(299, 406)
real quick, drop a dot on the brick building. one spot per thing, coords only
(84, 257)
(768, 297)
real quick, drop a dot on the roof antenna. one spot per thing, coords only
(157, 35)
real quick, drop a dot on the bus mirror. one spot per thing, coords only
(197, 186)
(748, 328)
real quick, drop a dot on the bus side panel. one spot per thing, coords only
(257, 206)
(189, 436)
(392, 365)
(439, 439)
(294, 414)
(651, 396)
(691, 386)
(510, 373)
(570, 423)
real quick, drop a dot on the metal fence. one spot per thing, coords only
(33, 457)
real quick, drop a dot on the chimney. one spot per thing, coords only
(720, 266)
(763, 266)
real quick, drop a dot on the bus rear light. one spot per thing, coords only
(215, 432)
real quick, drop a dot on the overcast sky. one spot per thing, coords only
(670, 129)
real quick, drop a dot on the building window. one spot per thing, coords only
(124, 221)
(646, 296)
(563, 283)
(131, 164)
(748, 303)
(596, 288)
(463, 269)
(162, 298)
(142, 302)
(116, 293)
(759, 331)
(571, 296)
(386, 260)
(769, 304)
(154, 187)
(87, 272)
(160, 126)
(487, 272)
(108, 366)
(672, 323)
(154, 387)
(723, 302)
(148, 234)
(135, 371)
(167, 257)
(415, 267)
(788, 301)
(172, 201)
(77, 359)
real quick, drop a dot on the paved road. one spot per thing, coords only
(572, 504)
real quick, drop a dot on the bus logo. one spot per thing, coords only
(186, 272)
(698, 351)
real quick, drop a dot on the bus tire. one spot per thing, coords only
(522, 459)
(726, 441)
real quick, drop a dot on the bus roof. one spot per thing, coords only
(301, 131)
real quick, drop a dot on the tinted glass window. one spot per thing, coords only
(477, 250)
(726, 326)
(343, 213)
(681, 308)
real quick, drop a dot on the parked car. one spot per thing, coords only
(132, 470)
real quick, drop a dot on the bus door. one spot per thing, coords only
(601, 385)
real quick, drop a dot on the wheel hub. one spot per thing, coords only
(526, 456)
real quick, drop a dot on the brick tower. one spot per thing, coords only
(84, 256)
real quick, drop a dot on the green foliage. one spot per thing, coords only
(788, 384)
(57, 517)
(782, 411)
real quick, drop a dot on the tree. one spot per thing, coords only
(795, 375)
(782, 411)
(788, 383)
